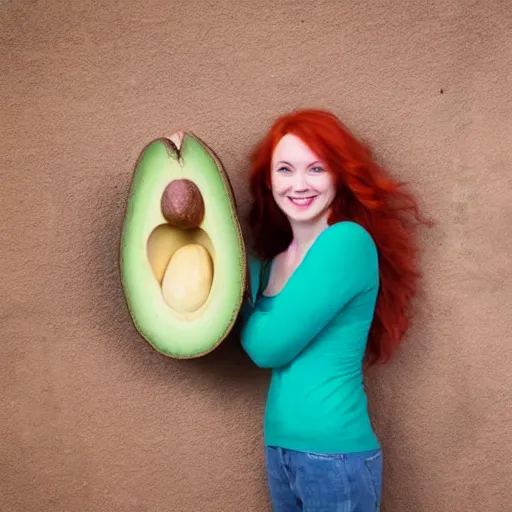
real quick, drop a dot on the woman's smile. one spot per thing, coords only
(302, 202)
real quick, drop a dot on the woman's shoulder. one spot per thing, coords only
(255, 266)
(345, 234)
(346, 249)
(254, 263)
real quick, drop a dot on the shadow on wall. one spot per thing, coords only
(227, 362)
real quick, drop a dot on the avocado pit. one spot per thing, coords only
(182, 204)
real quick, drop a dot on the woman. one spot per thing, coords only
(330, 292)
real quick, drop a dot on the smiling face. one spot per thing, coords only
(302, 186)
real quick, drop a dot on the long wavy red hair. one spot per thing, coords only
(366, 195)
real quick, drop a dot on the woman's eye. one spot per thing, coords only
(317, 169)
(282, 169)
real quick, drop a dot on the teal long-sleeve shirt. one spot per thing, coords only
(313, 335)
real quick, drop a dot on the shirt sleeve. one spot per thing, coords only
(340, 264)
(253, 276)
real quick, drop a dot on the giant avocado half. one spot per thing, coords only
(182, 255)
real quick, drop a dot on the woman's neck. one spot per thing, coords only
(304, 234)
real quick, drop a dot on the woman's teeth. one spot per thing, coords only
(302, 201)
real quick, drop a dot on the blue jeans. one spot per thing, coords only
(316, 482)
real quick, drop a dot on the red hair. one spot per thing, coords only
(366, 195)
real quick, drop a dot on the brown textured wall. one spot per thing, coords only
(92, 418)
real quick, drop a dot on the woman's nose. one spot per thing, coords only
(300, 183)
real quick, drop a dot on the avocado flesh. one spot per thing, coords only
(148, 242)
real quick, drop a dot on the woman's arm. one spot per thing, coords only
(341, 264)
